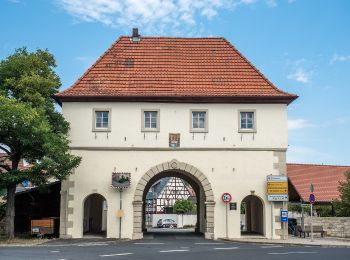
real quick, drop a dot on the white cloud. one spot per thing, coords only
(339, 58)
(342, 120)
(299, 123)
(152, 16)
(300, 75)
(304, 154)
(271, 3)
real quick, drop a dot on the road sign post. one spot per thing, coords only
(226, 198)
(312, 201)
(277, 190)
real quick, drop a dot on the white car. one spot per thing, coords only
(166, 223)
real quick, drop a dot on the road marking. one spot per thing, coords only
(145, 243)
(54, 251)
(209, 243)
(120, 254)
(225, 248)
(175, 250)
(270, 246)
(287, 253)
(93, 244)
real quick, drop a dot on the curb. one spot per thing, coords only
(67, 242)
(281, 243)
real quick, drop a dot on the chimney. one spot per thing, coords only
(135, 35)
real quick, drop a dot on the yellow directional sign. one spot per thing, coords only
(277, 191)
(277, 188)
(278, 184)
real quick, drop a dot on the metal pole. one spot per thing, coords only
(283, 224)
(272, 220)
(226, 221)
(312, 233)
(120, 217)
(302, 217)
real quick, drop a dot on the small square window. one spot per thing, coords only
(199, 121)
(150, 120)
(247, 121)
(101, 120)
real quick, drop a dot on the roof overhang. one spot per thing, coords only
(180, 99)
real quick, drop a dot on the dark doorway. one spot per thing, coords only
(95, 215)
(252, 216)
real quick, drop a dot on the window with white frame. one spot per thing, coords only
(247, 120)
(199, 121)
(150, 120)
(102, 120)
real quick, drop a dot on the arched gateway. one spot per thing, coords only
(187, 172)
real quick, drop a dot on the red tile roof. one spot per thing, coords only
(5, 161)
(164, 68)
(325, 179)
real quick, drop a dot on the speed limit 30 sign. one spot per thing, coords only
(226, 197)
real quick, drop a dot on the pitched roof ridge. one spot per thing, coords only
(91, 67)
(174, 37)
(311, 164)
(257, 70)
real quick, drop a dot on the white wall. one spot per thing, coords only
(94, 176)
(223, 120)
(180, 220)
(239, 171)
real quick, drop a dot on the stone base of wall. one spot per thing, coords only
(208, 235)
(334, 226)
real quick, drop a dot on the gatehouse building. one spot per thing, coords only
(190, 108)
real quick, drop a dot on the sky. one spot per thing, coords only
(302, 46)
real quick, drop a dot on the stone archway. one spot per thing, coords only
(254, 215)
(180, 167)
(95, 215)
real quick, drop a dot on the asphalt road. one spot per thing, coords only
(169, 247)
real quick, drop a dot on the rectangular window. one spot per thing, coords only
(199, 121)
(150, 120)
(102, 118)
(247, 121)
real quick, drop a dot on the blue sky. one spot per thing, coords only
(302, 46)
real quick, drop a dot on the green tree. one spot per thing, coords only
(182, 207)
(30, 127)
(343, 205)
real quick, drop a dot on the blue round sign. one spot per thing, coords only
(312, 198)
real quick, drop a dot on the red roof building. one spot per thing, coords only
(169, 69)
(325, 179)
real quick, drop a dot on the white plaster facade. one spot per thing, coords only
(223, 159)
